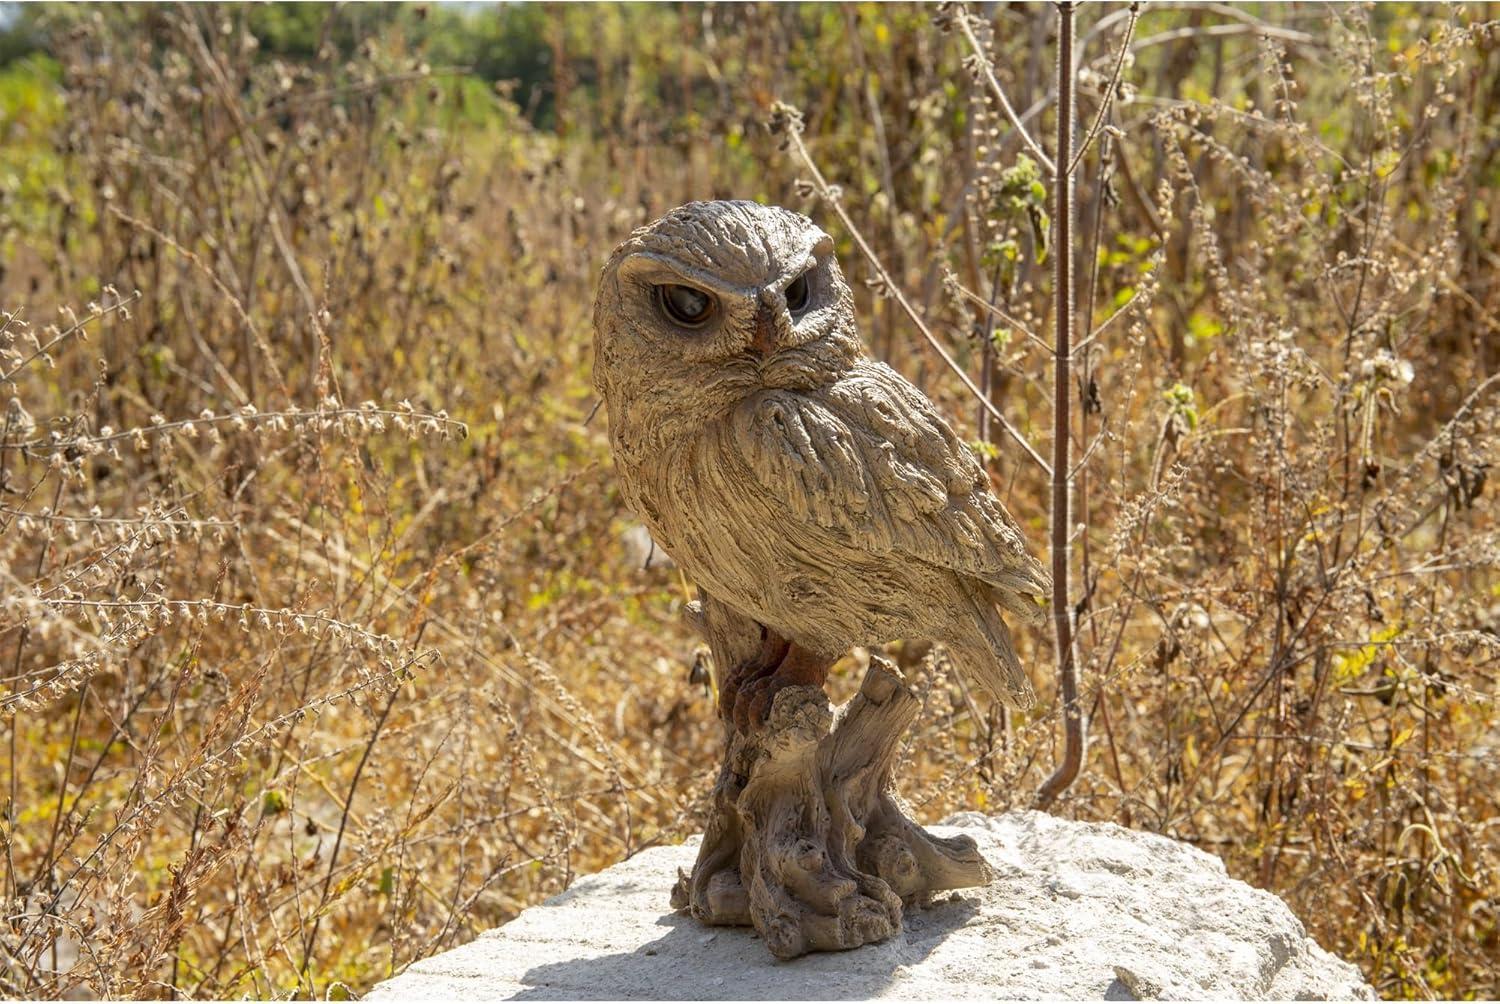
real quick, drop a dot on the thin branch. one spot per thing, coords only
(1222, 9)
(338, 843)
(999, 93)
(49, 517)
(889, 287)
(1109, 92)
(994, 309)
(213, 277)
(1210, 30)
(1074, 735)
(1105, 324)
(1099, 440)
(416, 419)
(72, 329)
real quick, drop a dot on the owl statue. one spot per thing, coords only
(803, 485)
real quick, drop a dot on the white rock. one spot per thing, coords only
(641, 551)
(1079, 910)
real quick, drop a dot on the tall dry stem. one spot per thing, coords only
(1062, 534)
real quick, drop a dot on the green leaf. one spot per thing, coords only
(1000, 251)
(1201, 327)
(1041, 226)
(1184, 405)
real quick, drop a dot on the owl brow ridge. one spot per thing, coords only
(695, 275)
(805, 261)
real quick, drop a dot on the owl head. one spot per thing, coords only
(712, 303)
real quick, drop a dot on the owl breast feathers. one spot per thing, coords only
(814, 490)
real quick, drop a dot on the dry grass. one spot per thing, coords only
(321, 647)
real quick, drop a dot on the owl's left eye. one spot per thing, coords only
(797, 295)
(685, 305)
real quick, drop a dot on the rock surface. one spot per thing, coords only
(1078, 910)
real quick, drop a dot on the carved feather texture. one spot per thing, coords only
(871, 460)
(811, 489)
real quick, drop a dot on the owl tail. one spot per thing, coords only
(990, 659)
(1023, 603)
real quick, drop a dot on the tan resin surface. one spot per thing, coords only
(820, 502)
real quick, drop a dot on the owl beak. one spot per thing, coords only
(763, 343)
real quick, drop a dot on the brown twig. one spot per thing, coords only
(1062, 442)
(988, 72)
(889, 288)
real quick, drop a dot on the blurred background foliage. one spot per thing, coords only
(300, 686)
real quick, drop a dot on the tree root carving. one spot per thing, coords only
(807, 840)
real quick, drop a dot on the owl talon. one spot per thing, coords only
(756, 685)
(754, 703)
(735, 696)
(773, 651)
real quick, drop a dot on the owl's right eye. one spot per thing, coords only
(684, 305)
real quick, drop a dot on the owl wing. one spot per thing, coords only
(869, 460)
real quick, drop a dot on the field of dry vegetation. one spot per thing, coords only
(325, 642)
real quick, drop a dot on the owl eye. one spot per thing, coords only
(797, 294)
(685, 305)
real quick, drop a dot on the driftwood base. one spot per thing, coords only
(807, 841)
